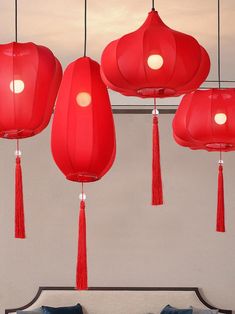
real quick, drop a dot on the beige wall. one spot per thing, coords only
(130, 242)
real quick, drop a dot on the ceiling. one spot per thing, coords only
(58, 24)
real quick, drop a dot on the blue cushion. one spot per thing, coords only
(76, 309)
(173, 310)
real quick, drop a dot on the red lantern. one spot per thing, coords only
(205, 120)
(83, 136)
(154, 61)
(29, 79)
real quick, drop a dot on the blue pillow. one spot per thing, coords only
(76, 309)
(173, 310)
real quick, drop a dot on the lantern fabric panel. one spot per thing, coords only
(183, 63)
(202, 72)
(83, 136)
(29, 80)
(55, 84)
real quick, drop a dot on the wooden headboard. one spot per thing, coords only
(119, 300)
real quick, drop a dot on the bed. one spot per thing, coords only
(119, 300)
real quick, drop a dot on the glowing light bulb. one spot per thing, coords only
(155, 62)
(17, 86)
(220, 118)
(83, 99)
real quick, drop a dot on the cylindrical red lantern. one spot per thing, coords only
(154, 61)
(83, 136)
(29, 80)
(205, 120)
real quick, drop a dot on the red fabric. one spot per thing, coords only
(27, 113)
(83, 138)
(81, 278)
(220, 224)
(19, 202)
(124, 66)
(157, 195)
(194, 123)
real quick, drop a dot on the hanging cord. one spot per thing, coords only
(85, 27)
(219, 48)
(220, 220)
(153, 5)
(16, 21)
(82, 190)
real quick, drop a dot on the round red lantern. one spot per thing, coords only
(83, 137)
(154, 61)
(29, 80)
(205, 120)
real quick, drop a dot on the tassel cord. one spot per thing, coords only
(157, 194)
(220, 223)
(81, 275)
(19, 201)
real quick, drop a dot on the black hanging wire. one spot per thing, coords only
(219, 64)
(153, 5)
(85, 27)
(219, 47)
(16, 21)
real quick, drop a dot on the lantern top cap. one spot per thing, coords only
(153, 18)
(85, 59)
(22, 47)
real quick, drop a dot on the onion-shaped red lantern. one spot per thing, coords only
(205, 120)
(154, 61)
(29, 80)
(83, 137)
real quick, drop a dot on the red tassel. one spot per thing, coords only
(81, 283)
(157, 195)
(220, 225)
(19, 202)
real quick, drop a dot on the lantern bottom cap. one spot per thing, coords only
(156, 92)
(16, 134)
(82, 177)
(219, 146)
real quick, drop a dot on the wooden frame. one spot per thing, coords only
(195, 289)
